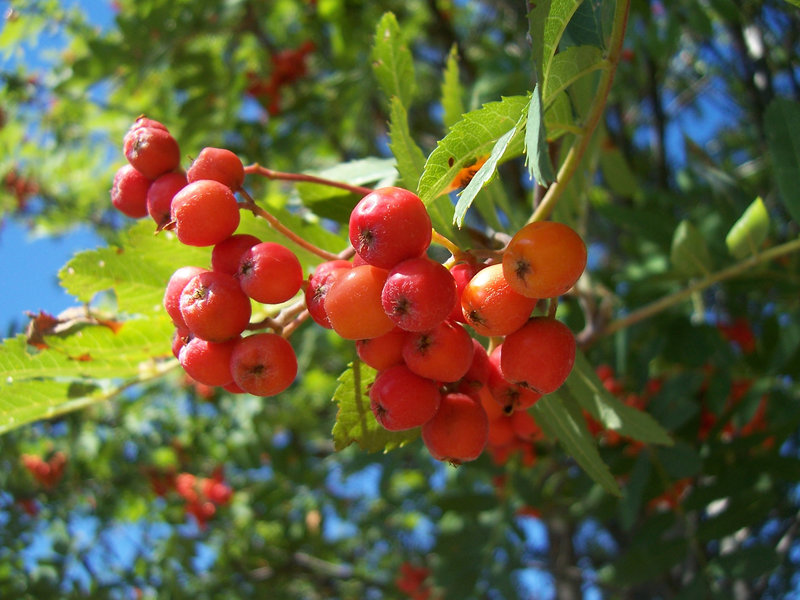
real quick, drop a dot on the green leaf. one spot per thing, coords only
(585, 386)
(410, 159)
(749, 231)
(558, 15)
(560, 418)
(794, 3)
(591, 23)
(452, 90)
(473, 137)
(392, 61)
(482, 177)
(689, 253)
(748, 563)
(537, 152)
(782, 125)
(355, 421)
(569, 66)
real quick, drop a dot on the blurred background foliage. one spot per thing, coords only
(173, 490)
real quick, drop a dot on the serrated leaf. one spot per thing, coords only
(569, 66)
(452, 90)
(355, 421)
(392, 61)
(482, 176)
(558, 15)
(560, 418)
(410, 159)
(689, 254)
(537, 153)
(782, 125)
(585, 386)
(472, 137)
(749, 231)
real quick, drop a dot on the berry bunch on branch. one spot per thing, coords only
(458, 347)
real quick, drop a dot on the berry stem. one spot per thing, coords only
(250, 205)
(257, 169)
(734, 270)
(581, 143)
(438, 238)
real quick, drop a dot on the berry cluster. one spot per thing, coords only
(415, 320)
(47, 472)
(211, 308)
(202, 495)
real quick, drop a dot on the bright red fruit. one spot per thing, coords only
(401, 399)
(388, 226)
(384, 351)
(353, 303)
(319, 283)
(208, 362)
(227, 254)
(444, 353)
(459, 430)
(263, 364)
(152, 151)
(160, 195)
(539, 355)
(218, 164)
(129, 192)
(172, 294)
(270, 273)
(205, 213)
(419, 294)
(214, 307)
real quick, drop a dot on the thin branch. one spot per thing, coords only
(256, 169)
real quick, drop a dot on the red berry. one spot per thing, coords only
(208, 362)
(443, 353)
(319, 283)
(172, 294)
(205, 213)
(491, 306)
(384, 351)
(462, 273)
(218, 164)
(353, 303)
(419, 294)
(152, 151)
(401, 399)
(227, 254)
(160, 195)
(459, 430)
(263, 364)
(270, 273)
(388, 226)
(539, 355)
(214, 307)
(129, 192)
(510, 396)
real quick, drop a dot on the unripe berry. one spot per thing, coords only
(205, 213)
(270, 273)
(459, 430)
(263, 364)
(214, 307)
(419, 294)
(388, 226)
(218, 164)
(401, 399)
(129, 192)
(539, 355)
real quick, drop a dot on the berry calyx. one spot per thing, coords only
(214, 307)
(419, 294)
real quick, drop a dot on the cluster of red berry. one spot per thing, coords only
(414, 581)
(288, 66)
(211, 308)
(412, 318)
(202, 494)
(47, 472)
(409, 316)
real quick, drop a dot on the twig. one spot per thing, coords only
(257, 169)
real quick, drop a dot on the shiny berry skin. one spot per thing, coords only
(384, 351)
(510, 396)
(401, 399)
(419, 294)
(319, 282)
(462, 273)
(172, 293)
(227, 254)
(459, 430)
(208, 362)
(205, 213)
(544, 259)
(444, 353)
(263, 364)
(491, 307)
(270, 273)
(152, 151)
(388, 226)
(218, 164)
(539, 355)
(214, 307)
(353, 303)
(129, 192)
(160, 195)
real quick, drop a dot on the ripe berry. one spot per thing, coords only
(401, 399)
(539, 355)
(129, 192)
(384, 351)
(419, 294)
(389, 225)
(152, 151)
(510, 396)
(459, 430)
(263, 364)
(214, 307)
(544, 259)
(462, 273)
(218, 164)
(353, 303)
(205, 213)
(208, 362)
(270, 273)
(227, 254)
(491, 306)
(319, 283)
(172, 294)
(160, 195)
(443, 353)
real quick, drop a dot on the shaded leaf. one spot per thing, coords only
(782, 125)
(689, 254)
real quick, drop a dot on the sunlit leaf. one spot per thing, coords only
(392, 60)
(749, 231)
(452, 90)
